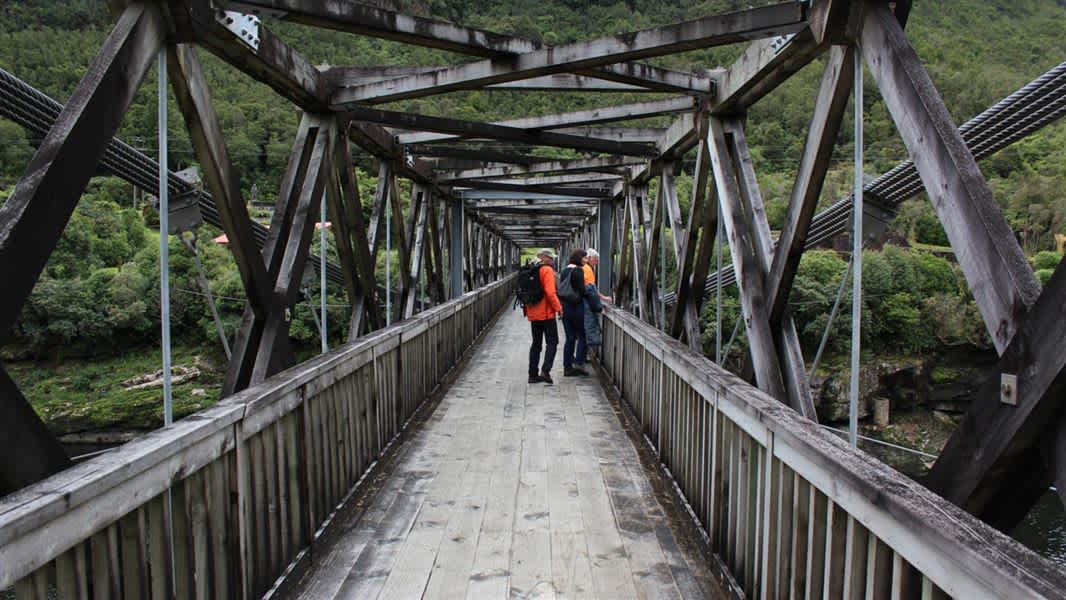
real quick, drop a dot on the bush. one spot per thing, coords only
(928, 230)
(1046, 259)
(1044, 276)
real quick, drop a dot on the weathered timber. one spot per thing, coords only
(762, 67)
(576, 165)
(338, 77)
(807, 189)
(378, 22)
(413, 269)
(350, 235)
(520, 188)
(754, 23)
(785, 337)
(992, 465)
(750, 274)
(205, 132)
(1001, 279)
(498, 132)
(273, 354)
(594, 116)
(693, 249)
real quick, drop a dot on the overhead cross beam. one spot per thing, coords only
(550, 166)
(339, 77)
(374, 21)
(768, 21)
(496, 132)
(589, 117)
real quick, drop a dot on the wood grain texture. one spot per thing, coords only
(512, 490)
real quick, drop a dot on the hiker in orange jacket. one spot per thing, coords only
(542, 321)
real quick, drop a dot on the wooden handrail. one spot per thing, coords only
(238, 490)
(790, 507)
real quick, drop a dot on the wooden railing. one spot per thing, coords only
(222, 502)
(790, 509)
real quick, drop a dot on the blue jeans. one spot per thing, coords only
(575, 350)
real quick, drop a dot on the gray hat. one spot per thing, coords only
(547, 252)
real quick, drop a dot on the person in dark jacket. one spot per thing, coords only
(575, 349)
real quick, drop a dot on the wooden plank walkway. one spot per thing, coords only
(511, 490)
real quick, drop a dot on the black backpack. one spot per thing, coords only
(529, 291)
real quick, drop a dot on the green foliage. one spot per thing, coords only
(1046, 260)
(1044, 275)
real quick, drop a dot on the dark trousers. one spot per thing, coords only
(546, 333)
(575, 349)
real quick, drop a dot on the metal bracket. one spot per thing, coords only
(245, 27)
(778, 43)
(1008, 389)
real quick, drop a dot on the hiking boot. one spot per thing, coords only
(546, 378)
(535, 379)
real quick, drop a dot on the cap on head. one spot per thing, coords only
(547, 252)
(592, 253)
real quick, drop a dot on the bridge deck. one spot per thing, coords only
(511, 489)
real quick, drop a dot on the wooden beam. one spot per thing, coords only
(807, 189)
(363, 19)
(339, 77)
(262, 347)
(588, 180)
(549, 166)
(638, 240)
(497, 132)
(786, 339)
(622, 281)
(522, 188)
(750, 273)
(377, 22)
(992, 464)
(647, 135)
(420, 212)
(653, 227)
(693, 246)
(205, 133)
(1000, 278)
(594, 116)
(469, 154)
(768, 21)
(274, 354)
(437, 245)
(350, 234)
(763, 66)
(273, 62)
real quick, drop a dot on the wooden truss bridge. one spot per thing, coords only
(415, 460)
